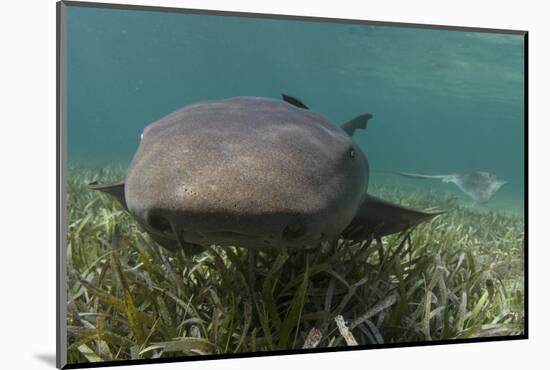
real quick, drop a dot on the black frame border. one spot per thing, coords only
(61, 335)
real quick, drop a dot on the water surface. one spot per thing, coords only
(443, 101)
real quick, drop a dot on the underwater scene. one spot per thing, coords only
(242, 185)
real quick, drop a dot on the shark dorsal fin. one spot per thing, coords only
(294, 101)
(357, 122)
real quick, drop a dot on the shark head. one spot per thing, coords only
(251, 172)
(246, 171)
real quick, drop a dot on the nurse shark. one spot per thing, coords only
(254, 172)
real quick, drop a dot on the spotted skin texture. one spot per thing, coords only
(246, 170)
(257, 173)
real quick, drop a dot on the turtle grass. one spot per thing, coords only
(457, 276)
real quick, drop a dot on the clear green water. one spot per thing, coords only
(443, 101)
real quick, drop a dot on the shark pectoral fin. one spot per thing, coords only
(115, 189)
(377, 217)
(356, 123)
(294, 101)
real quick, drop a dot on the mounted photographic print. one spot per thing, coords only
(235, 184)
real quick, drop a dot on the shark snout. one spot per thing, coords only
(200, 229)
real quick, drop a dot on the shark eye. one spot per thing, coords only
(141, 136)
(351, 153)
